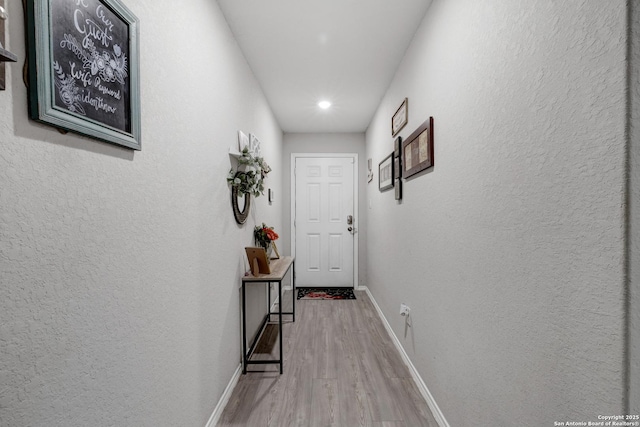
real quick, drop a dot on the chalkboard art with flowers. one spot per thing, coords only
(83, 68)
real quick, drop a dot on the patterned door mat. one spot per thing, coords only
(326, 293)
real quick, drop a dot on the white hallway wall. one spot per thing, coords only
(327, 143)
(119, 271)
(634, 242)
(510, 252)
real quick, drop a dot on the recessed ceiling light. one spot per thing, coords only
(324, 104)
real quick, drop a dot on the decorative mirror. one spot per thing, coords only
(240, 215)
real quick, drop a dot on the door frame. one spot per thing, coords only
(356, 202)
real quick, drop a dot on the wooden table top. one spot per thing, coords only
(279, 268)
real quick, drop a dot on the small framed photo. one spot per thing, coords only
(258, 263)
(385, 173)
(417, 150)
(275, 251)
(398, 189)
(243, 141)
(254, 146)
(397, 170)
(400, 118)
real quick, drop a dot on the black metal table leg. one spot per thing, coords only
(280, 322)
(244, 331)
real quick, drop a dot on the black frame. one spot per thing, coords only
(397, 146)
(387, 162)
(397, 165)
(398, 189)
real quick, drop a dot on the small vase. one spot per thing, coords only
(269, 250)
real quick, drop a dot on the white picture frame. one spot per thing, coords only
(254, 146)
(243, 141)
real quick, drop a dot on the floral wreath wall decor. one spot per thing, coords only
(247, 179)
(84, 69)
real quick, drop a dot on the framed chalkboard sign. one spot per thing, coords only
(84, 68)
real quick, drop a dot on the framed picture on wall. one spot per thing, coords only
(243, 141)
(84, 68)
(417, 150)
(397, 170)
(398, 189)
(400, 118)
(397, 147)
(385, 173)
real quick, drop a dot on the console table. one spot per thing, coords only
(279, 269)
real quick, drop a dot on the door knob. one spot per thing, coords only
(350, 229)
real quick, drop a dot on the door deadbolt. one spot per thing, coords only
(349, 220)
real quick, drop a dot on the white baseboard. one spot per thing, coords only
(435, 410)
(222, 403)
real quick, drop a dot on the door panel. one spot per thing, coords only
(335, 252)
(335, 203)
(313, 194)
(324, 198)
(313, 252)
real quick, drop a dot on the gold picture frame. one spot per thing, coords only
(275, 251)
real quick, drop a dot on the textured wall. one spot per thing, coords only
(510, 252)
(119, 270)
(327, 143)
(634, 238)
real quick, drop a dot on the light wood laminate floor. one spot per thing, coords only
(340, 369)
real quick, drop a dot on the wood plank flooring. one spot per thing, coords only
(340, 369)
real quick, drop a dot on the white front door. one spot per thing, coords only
(324, 203)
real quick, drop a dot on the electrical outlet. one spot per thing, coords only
(404, 309)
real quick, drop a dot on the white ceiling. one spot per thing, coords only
(344, 51)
